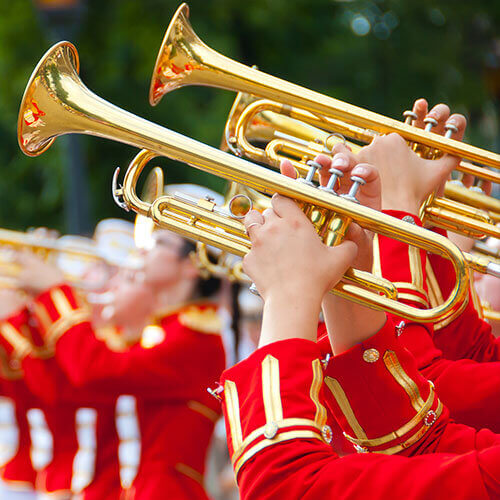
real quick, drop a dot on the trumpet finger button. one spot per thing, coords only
(450, 129)
(430, 123)
(336, 174)
(410, 117)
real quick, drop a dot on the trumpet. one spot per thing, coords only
(238, 201)
(80, 254)
(183, 59)
(56, 102)
(462, 210)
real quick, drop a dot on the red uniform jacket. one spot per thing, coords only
(18, 470)
(66, 423)
(167, 374)
(468, 387)
(274, 405)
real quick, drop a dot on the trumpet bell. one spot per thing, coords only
(177, 59)
(40, 100)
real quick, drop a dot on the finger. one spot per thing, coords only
(370, 193)
(355, 233)
(460, 122)
(285, 207)
(420, 108)
(440, 113)
(340, 161)
(486, 187)
(343, 159)
(341, 258)
(252, 221)
(441, 169)
(468, 180)
(287, 168)
(269, 215)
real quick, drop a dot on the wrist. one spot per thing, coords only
(348, 323)
(289, 316)
(401, 203)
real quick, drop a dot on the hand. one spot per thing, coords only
(441, 113)
(11, 302)
(37, 275)
(406, 178)
(368, 195)
(287, 255)
(292, 269)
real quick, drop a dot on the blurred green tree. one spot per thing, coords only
(379, 54)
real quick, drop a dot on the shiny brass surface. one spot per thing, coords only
(46, 248)
(184, 59)
(488, 313)
(63, 104)
(462, 210)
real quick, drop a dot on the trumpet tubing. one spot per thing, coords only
(63, 104)
(184, 59)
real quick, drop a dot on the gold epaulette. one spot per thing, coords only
(111, 337)
(201, 319)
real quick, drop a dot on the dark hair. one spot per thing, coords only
(204, 287)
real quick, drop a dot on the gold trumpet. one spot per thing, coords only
(184, 59)
(56, 102)
(462, 210)
(238, 201)
(46, 248)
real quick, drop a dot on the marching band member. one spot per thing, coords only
(468, 388)
(274, 401)
(175, 414)
(77, 427)
(17, 472)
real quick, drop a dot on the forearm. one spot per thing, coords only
(289, 315)
(348, 323)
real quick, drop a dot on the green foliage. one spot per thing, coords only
(442, 50)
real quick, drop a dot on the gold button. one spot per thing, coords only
(326, 432)
(270, 430)
(371, 355)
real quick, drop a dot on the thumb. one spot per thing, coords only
(443, 167)
(340, 258)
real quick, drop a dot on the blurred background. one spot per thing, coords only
(378, 54)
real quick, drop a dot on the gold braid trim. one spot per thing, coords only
(285, 436)
(405, 429)
(64, 323)
(281, 425)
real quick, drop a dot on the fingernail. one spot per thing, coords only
(339, 161)
(360, 171)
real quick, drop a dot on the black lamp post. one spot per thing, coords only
(61, 21)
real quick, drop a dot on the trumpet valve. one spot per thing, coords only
(430, 123)
(336, 174)
(410, 117)
(450, 128)
(357, 182)
(314, 166)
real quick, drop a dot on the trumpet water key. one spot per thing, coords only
(56, 102)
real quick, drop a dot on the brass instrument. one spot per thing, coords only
(184, 59)
(46, 248)
(238, 201)
(462, 210)
(56, 102)
(488, 313)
